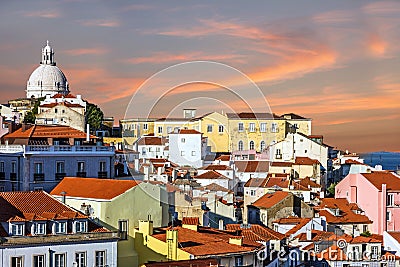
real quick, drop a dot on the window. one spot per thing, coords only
(1, 166)
(209, 128)
(169, 129)
(374, 252)
(80, 259)
(220, 128)
(365, 228)
(102, 166)
(81, 166)
(240, 127)
(158, 149)
(16, 261)
(274, 127)
(316, 248)
(239, 261)
(40, 228)
(252, 193)
(159, 129)
(38, 168)
(263, 127)
(55, 110)
(2, 188)
(13, 167)
(38, 261)
(390, 200)
(252, 127)
(123, 229)
(80, 226)
(100, 259)
(182, 153)
(193, 153)
(59, 260)
(77, 143)
(251, 145)
(262, 146)
(17, 229)
(278, 153)
(60, 227)
(388, 216)
(60, 167)
(145, 126)
(240, 145)
(183, 140)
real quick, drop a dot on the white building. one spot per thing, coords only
(152, 147)
(47, 79)
(37, 230)
(187, 147)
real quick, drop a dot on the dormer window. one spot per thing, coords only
(17, 229)
(60, 227)
(80, 226)
(40, 228)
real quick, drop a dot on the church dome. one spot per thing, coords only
(47, 79)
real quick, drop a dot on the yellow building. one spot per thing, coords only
(215, 127)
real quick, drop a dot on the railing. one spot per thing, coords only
(102, 174)
(81, 174)
(38, 177)
(11, 148)
(13, 176)
(2, 175)
(60, 175)
(46, 148)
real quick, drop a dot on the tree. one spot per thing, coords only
(93, 116)
(331, 189)
(30, 116)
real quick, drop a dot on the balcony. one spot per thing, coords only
(74, 149)
(102, 174)
(38, 177)
(60, 175)
(2, 175)
(81, 174)
(13, 176)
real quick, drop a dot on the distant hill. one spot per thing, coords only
(388, 160)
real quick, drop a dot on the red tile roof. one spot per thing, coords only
(256, 232)
(191, 220)
(346, 215)
(217, 167)
(306, 182)
(281, 164)
(395, 235)
(296, 221)
(152, 141)
(270, 199)
(63, 96)
(23, 206)
(224, 158)
(208, 241)
(186, 131)
(316, 235)
(251, 115)
(65, 103)
(48, 131)
(211, 175)
(256, 182)
(215, 187)
(93, 187)
(252, 166)
(378, 178)
(305, 161)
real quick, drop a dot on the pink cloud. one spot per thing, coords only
(163, 57)
(48, 14)
(100, 23)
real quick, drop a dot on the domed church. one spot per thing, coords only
(47, 79)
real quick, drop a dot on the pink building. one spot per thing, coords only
(378, 194)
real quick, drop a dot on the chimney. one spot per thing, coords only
(172, 244)
(221, 224)
(146, 227)
(87, 133)
(236, 240)
(137, 167)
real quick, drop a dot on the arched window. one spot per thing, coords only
(240, 145)
(262, 145)
(251, 145)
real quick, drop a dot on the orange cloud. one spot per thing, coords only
(100, 23)
(86, 51)
(163, 57)
(376, 45)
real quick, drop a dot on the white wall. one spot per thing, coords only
(185, 149)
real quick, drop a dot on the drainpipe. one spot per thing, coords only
(384, 208)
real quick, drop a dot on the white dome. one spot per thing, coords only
(47, 79)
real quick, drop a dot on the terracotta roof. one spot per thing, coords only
(212, 175)
(284, 183)
(270, 199)
(215, 187)
(316, 235)
(224, 158)
(22, 206)
(378, 178)
(256, 232)
(363, 239)
(296, 221)
(207, 241)
(280, 175)
(65, 103)
(256, 182)
(352, 161)
(281, 164)
(185, 263)
(308, 182)
(63, 96)
(293, 116)
(191, 220)
(252, 166)
(48, 131)
(305, 161)
(186, 131)
(217, 167)
(152, 141)
(395, 235)
(346, 215)
(93, 187)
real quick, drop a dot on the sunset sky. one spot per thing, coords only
(337, 62)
